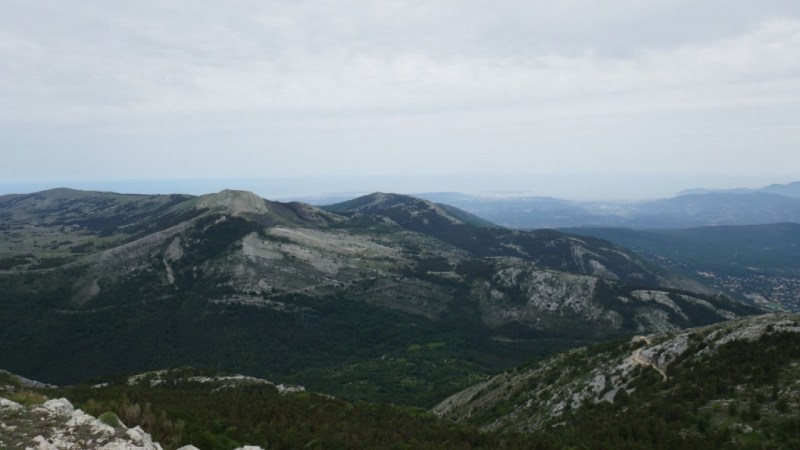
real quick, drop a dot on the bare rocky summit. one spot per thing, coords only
(235, 202)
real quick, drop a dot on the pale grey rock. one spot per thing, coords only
(57, 425)
(79, 418)
(138, 436)
(546, 291)
(8, 404)
(154, 378)
(60, 406)
(289, 389)
(224, 382)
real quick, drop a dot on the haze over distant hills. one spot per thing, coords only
(692, 208)
(789, 189)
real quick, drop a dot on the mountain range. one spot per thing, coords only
(368, 312)
(385, 297)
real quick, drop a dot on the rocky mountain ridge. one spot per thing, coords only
(757, 262)
(646, 370)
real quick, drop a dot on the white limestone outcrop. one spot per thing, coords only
(57, 425)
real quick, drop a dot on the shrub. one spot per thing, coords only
(110, 419)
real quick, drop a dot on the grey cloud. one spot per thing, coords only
(540, 83)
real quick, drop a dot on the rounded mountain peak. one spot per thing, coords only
(235, 202)
(402, 208)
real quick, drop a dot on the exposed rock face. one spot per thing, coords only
(540, 291)
(523, 292)
(218, 381)
(6, 404)
(57, 425)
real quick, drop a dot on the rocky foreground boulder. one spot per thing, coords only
(57, 425)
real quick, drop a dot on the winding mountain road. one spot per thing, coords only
(640, 360)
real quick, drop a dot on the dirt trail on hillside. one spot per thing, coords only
(638, 359)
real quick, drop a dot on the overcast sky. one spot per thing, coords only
(550, 97)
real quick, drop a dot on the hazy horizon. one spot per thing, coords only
(606, 187)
